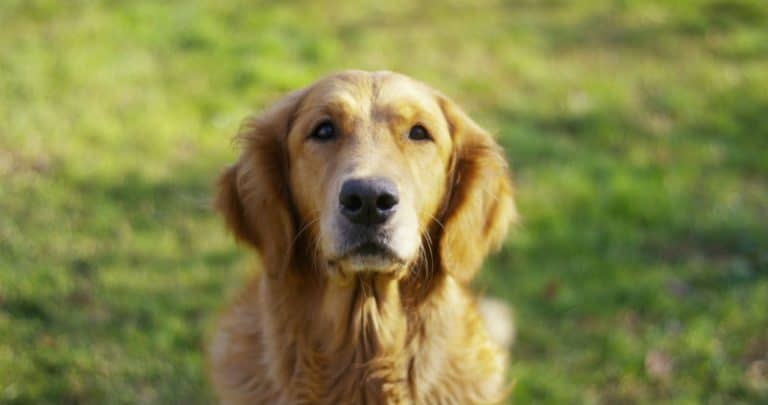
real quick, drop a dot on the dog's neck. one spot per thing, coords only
(351, 340)
(367, 314)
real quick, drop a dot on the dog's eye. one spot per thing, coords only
(323, 132)
(419, 133)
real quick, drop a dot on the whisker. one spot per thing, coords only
(316, 265)
(412, 270)
(437, 221)
(302, 230)
(314, 248)
(428, 254)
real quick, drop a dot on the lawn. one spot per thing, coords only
(637, 132)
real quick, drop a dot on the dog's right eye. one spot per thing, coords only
(324, 132)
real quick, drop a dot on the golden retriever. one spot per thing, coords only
(372, 201)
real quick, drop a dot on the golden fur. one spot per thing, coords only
(313, 329)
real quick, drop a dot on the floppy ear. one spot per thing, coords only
(253, 194)
(480, 204)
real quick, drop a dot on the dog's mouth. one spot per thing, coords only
(375, 249)
(368, 255)
(390, 247)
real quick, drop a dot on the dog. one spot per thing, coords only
(372, 201)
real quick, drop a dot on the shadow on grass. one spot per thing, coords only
(123, 301)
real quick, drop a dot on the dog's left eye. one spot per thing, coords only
(324, 131)
(419, 133)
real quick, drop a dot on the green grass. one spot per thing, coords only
(637, 132)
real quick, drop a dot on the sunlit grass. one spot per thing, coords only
(636, 130)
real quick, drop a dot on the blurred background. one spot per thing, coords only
(637, 132)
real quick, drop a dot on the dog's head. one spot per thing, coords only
(368, 172)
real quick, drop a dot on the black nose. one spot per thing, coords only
(368, 201)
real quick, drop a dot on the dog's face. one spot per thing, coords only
(367, 167)
(369, 160)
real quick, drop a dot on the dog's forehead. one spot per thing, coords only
(363, 93)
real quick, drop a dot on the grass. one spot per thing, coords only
(637, 132)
